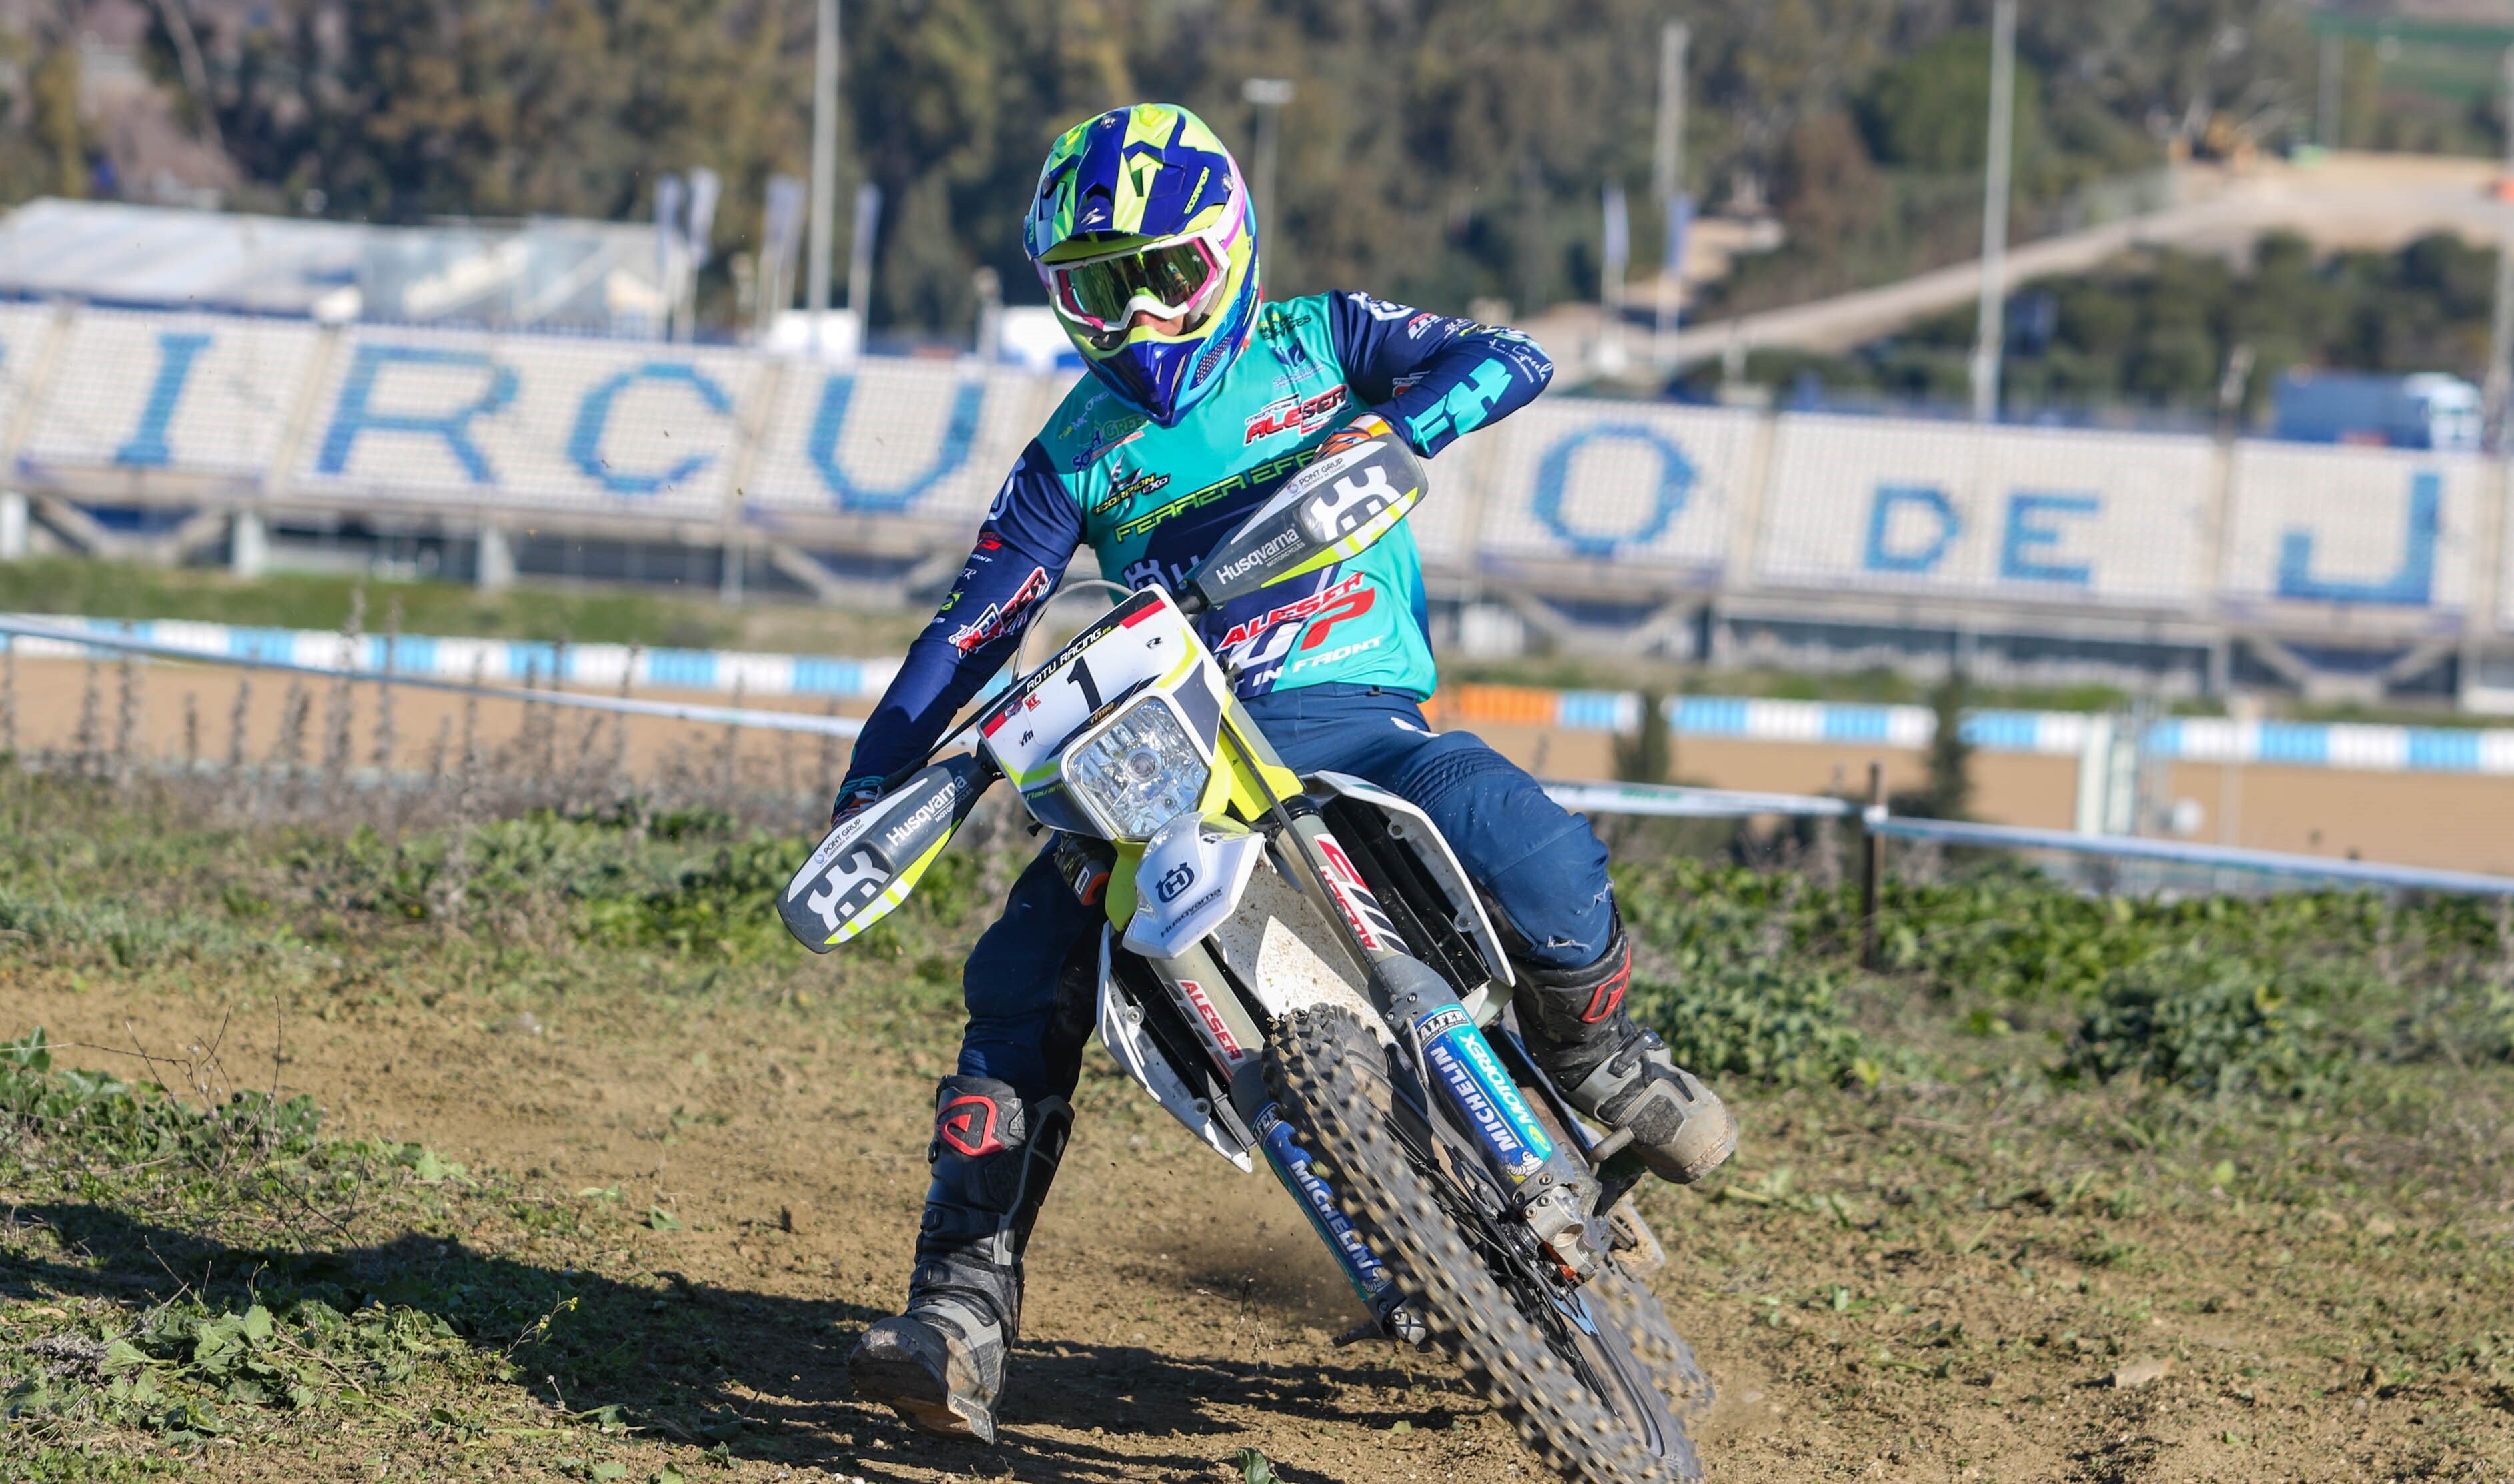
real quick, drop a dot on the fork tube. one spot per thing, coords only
(1370, 1278)
(1452, 1054)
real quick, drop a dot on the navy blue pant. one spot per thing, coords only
(1030, 982)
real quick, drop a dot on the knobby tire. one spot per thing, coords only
(1329, 1076)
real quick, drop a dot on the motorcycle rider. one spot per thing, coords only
(1202, 400)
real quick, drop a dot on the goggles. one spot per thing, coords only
(1166, 279)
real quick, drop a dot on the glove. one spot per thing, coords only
(1362, 429)
(855, 796)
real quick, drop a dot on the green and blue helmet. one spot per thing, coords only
(1142, 210)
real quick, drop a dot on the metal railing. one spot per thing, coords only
(677, 710)
(1876, 823)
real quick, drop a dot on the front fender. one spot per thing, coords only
(1193, 873)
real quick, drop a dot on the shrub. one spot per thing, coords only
(2204, 1023)
(1756, 1019)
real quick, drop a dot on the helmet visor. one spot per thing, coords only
(1168, 279)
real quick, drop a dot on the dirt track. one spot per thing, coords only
(1179, 1309)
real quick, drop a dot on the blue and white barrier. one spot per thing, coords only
(1904, 728)
(1676, 801)
(44, 637)
(70, 639)
(513, 662)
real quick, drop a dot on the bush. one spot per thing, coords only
(2207, 1024)
(1757, 1019)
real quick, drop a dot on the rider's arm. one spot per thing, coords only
(1432, 377)
(1022, 549)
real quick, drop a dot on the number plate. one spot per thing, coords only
(1143, 639)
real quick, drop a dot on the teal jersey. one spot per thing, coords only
(1153, 500)
(1149, 502)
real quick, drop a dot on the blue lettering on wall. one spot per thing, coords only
(146, 448)
(2019, 550)
(959, 433)
(1674, 483)
(356, 416)
(594, 418)
(2412, 584)
(1881, 557)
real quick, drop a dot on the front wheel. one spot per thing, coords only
(1572, 1386)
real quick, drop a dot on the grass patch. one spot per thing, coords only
(2048, 1124)
(86, 1153)
(2209, 1024)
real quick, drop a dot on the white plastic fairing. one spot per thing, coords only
(1121, 1030)
(1415, 827)
(1192, 872)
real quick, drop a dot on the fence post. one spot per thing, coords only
(1872, 866)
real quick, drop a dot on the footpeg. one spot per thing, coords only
(1400, 1324)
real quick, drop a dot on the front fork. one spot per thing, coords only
(1372, 1283)
(1456, 1060)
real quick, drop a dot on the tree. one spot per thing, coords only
(1930, 111)
(1947, 792)
(1827, 188)
(1648, 755)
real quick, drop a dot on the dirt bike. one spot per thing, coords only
(1298, 970)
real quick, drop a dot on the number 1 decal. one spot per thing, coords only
(1080, 675)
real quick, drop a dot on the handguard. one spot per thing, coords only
(1359, 489)
(867, 865)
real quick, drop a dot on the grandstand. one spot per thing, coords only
(2174, 564)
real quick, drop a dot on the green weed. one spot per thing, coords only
(2206, 1023)
(1781, 1022)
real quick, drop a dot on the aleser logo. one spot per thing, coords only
(1212, 1018)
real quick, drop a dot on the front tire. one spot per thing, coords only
(1331, 1080)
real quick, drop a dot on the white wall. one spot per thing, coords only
(2033, 518)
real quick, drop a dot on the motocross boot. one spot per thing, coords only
(941, 1364)
(1617, 1072)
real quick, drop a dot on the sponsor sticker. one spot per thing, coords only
(1370, 923)
(1300, 608)
(1128, 488)
(1255, 476)
(1510, 1152)
(1368, 1276)
(1337, 654)
(1228, 1044)
(1289, 414)
(999, 620)
(1464, 1063)
(1258, 558)
(1504, 1092)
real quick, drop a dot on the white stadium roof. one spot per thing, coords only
(545, 274)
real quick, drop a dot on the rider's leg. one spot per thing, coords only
(999, 1129)
(1545, 873)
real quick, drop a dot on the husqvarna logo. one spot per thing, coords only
(1174, 882)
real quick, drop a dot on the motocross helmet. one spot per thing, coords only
(1142, 209)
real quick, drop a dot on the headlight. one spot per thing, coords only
(1141, 771)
